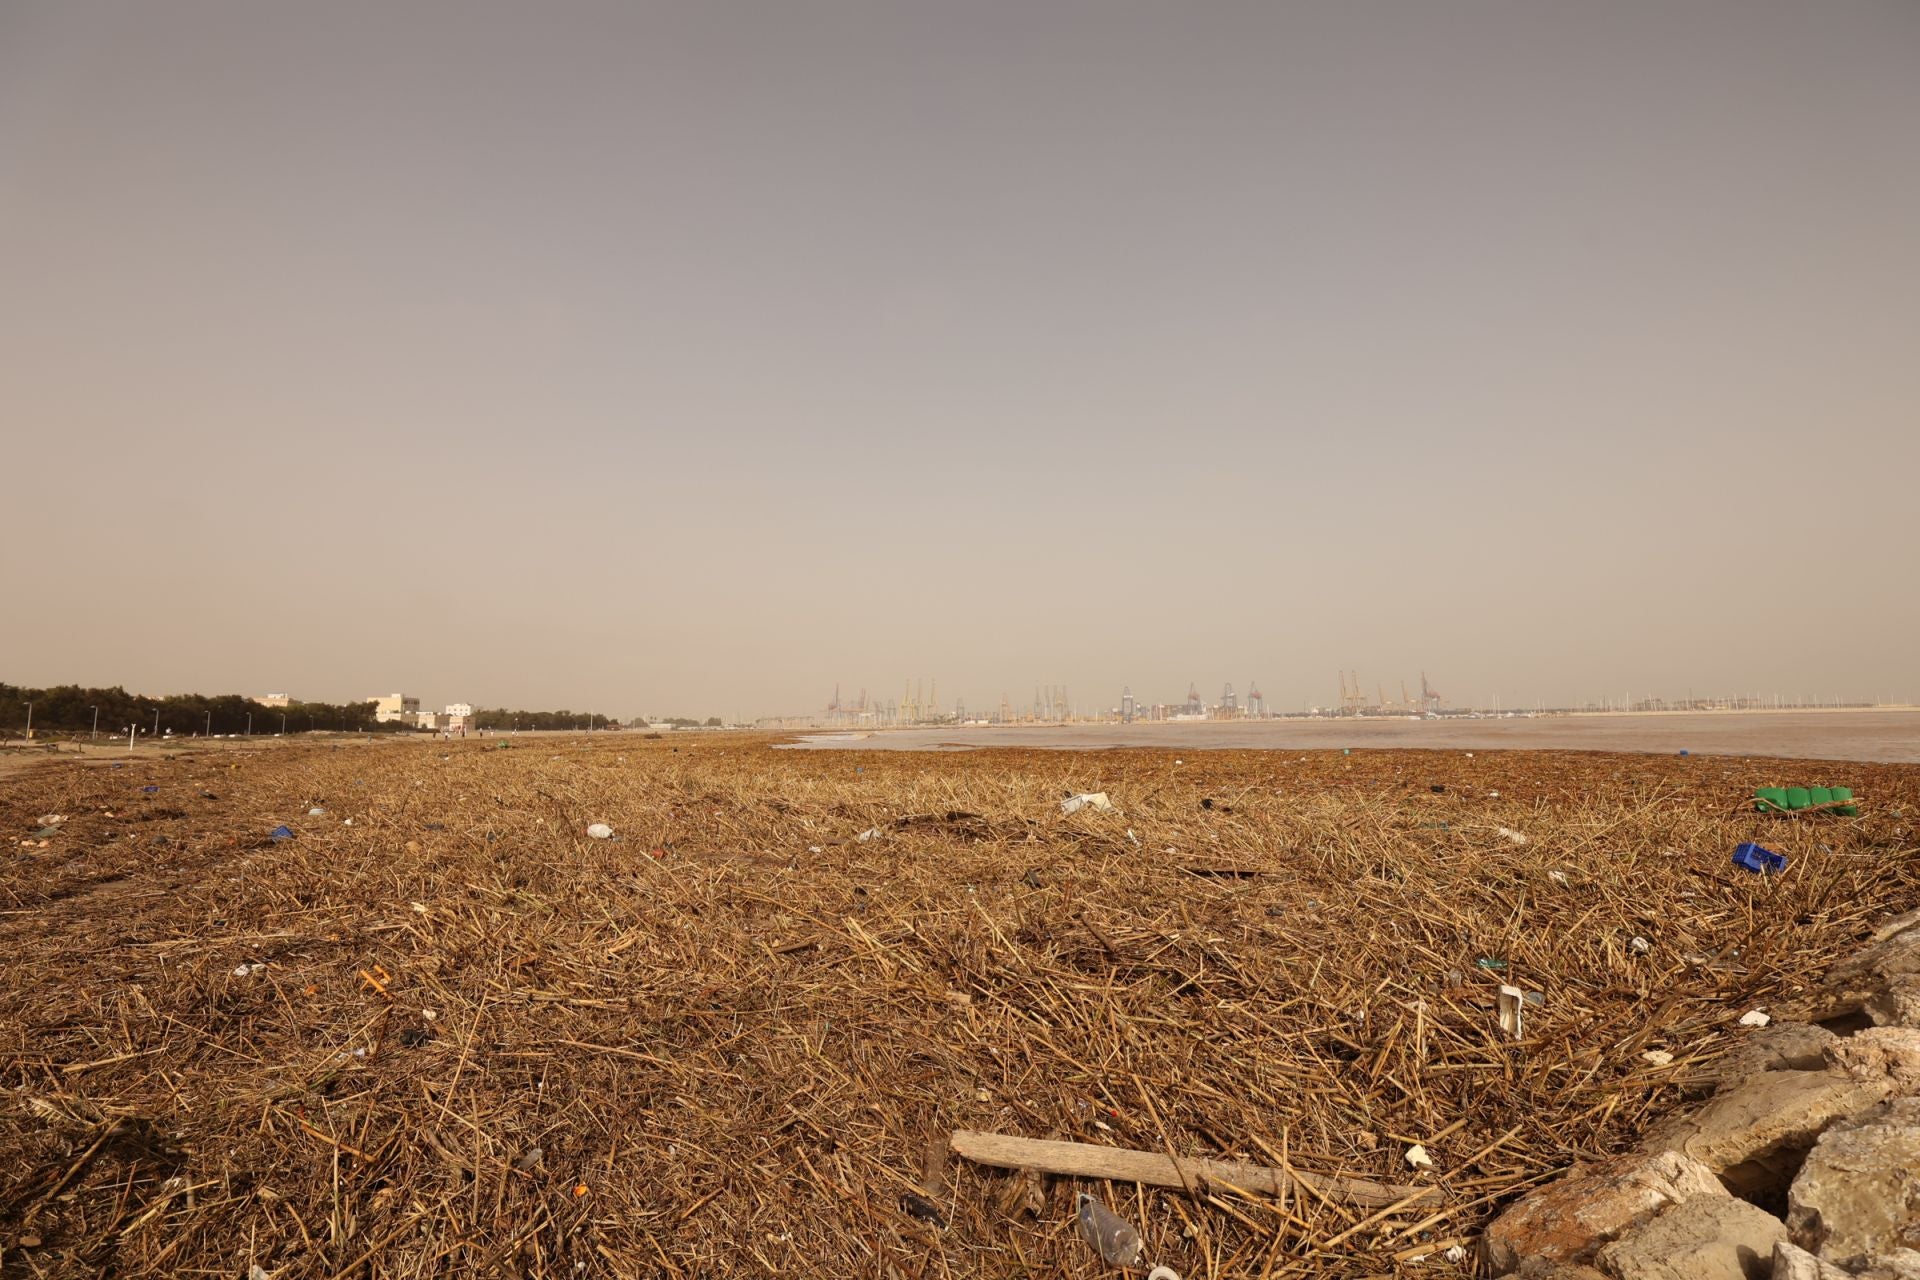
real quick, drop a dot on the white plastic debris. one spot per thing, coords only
(1456, 1254)
(258, 1272)
(346, 822)
(814, 848)
(1754, 1018)
(871, 833)
(1111, 1236)
(1133, 837)
(1417, 1157)
(316, 812)
(1493, 795)
(1559, 878)
(52, 819)
(1508, 833)
(1658, 1057)
(600, 831)
(1163, 1273)
(1511, 1001)
(249, 970)
(1640, 944)
(1095, 800)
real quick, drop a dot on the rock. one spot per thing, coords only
(1784, 1046)
(1541, 1269)
(1898, 1005)
(1706, 1238)
(1893, 954)
(1791, 1262)
(1754, 1134)
(1857, 1195)
(1891, 1053)
(1903, 1264)
(1569, 1220)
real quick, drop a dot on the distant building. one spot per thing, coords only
(394, 706)
(459, 716)
(461, 709)
(272, 699)
(427, 719)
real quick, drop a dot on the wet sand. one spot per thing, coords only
(1884, 736)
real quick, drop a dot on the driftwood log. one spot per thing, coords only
(1084, 1160)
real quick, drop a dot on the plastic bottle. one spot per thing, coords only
(1117, 1243)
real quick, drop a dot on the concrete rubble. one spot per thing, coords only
(1705, 1238)
(1822, 1122)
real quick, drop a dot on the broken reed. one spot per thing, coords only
(734, 1040)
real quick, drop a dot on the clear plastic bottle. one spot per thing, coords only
(1118, 1244)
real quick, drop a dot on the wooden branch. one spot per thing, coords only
(1083, 1160)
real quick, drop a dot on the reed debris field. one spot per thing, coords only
(387, 1009)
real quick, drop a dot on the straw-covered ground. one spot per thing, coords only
(441, 1031)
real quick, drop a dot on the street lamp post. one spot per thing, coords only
(209, 723)
(29, 719)
(283, 724)
(95, 731)
(156, 722)
(249, 724)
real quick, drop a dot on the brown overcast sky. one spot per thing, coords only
(693, 357)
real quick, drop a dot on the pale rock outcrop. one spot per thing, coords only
(1569, 1220)
(1856, 1199)
(1705, 1238)
(1754, 1134)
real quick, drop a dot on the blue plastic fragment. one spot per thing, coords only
(149, 790)
(1684, 751)
(281, 832)
(1756, 859)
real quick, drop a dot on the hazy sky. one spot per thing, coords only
(693, 357)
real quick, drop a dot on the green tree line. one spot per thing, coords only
(502, 718)
(69, 708)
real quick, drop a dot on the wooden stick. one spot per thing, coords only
(1083, 1160)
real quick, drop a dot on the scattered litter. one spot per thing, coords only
(528, 1159)
(1096, 800)
(1836, 800)
(346, 822)
(1560, 878)
(915, 1205)
(1759, 860)
(249, 970)
(1755, 1018)
(1455, 1254)
(1512, 999)
(1640, 945)
(1508, 833)
(1535, 999)
(600, 831)
(52, 819)
(871, 833)
(1489, 963)
(1658, 1057)
(281, 832)
(814, 848)
(1493, 795)
(258, 1272)
(316, 812)
(1112, 1237)
(1417, 1157)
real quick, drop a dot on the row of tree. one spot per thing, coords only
(501, 718)
(70, 708)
